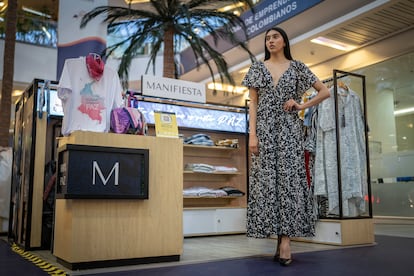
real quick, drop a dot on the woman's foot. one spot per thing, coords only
(285, 257)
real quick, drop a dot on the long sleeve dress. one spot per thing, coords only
(280, 201)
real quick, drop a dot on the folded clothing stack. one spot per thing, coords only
(208, 192)
(199, 139)
(232, 143)
(199, 167)
(203, 192)
(206, 168)
(231, 191)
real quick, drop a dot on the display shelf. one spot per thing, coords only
(198, 201)
(216, 156)
(208, 151)
(208, 173)
(211, 215)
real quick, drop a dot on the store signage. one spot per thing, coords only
(102, 172)
(173, 89)
(267, 13)
(197, 117)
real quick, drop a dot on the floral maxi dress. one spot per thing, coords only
(280, 201)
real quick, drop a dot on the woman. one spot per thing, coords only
(280, 202)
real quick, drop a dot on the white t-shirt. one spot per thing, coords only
(87, 103)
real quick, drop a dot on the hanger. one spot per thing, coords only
(344, 90)
(342, 85)
(95, 56)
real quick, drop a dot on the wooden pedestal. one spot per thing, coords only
(106, 232)
(343, 232)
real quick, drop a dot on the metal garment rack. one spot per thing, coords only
(338, 74)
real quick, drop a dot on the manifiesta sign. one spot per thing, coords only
(173, 89)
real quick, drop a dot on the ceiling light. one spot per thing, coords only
(26, 9)
(3, 6)
(231, 7)
(49, 36)
(333, 44)
(404, 111)
(227, 88)
(17, 93)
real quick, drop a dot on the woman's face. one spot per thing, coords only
(274, 41)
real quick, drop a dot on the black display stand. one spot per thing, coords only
(34, 150)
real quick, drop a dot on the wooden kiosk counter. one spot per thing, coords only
(97, 232)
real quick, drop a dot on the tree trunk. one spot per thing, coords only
(8, 72)
(169, 64)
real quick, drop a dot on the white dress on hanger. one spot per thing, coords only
(352, 151)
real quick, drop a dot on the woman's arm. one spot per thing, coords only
(253, 141)
(323, 93)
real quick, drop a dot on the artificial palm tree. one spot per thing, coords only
(8, 72)
(170, 21)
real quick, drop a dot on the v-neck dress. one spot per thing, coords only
(280, 201)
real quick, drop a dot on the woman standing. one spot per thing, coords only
(280, 201)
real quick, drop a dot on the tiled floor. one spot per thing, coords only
(204, 249)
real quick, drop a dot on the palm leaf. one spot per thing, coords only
(193, 21)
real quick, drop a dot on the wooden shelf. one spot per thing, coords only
(211, 197)
(209, 177)
(220, 173)
(209, 147)
(198, 201)
(208, 151)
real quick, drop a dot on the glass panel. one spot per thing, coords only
(390, 101)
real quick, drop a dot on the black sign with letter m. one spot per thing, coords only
(102, 172)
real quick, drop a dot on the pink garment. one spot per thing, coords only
(95, 66)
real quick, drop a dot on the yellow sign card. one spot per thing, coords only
(165, 124)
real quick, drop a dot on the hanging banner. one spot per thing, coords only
(268, 13)
(173, 89)
(73, 41)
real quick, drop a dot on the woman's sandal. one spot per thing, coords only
(285, 262)
(282, 261)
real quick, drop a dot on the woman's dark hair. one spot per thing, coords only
(286, 49)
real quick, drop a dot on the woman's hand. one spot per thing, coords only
(253, 144)
(291, 105)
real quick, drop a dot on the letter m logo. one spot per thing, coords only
(97, 170)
